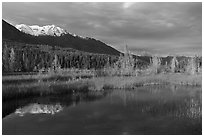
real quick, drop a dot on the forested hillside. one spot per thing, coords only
(91, 45)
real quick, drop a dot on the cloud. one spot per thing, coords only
(157, 27)
(128, 4)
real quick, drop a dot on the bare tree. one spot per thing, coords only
(192, 67)
(174, 63)
(5, 58)
(156, 62)
(12, 60)
(55, 63)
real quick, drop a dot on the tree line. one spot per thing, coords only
(30, 58)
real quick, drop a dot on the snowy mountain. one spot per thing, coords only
(21, 33)
(36, 30)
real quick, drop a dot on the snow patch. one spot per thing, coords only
(36, 30)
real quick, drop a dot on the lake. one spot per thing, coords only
(145, 110)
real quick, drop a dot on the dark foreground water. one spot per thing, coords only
(145, 110)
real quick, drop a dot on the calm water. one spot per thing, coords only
(145, 110)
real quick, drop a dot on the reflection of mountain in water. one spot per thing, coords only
(39, 109)
(49, 104)
(173, 101)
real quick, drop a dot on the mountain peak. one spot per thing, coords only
(51, 30)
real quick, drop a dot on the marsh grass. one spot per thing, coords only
(43, 88)
(50, 75)
(133, 82)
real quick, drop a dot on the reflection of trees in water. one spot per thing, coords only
(193, 109)
(150, 101)
(49, 104)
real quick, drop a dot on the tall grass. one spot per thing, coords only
(96, 84)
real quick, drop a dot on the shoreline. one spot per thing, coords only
(41, 88)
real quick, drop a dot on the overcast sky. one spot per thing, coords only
(158, 28)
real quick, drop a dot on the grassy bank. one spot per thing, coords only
(40, 88)
(62, 75)
(132, 82)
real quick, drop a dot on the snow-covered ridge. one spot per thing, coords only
(51, 30)
(36, 30)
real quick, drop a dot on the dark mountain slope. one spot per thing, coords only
(11, 33)
(66, 41)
